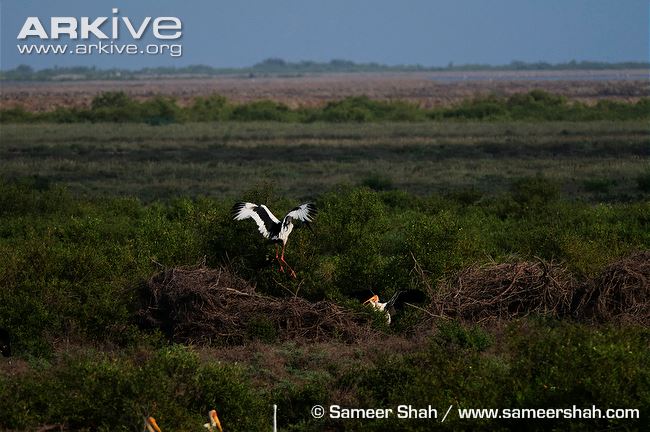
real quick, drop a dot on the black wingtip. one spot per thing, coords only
(394, 298)
(237, 208)
(313, 211)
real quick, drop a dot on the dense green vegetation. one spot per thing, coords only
(88, 211)
(533, 106)
(277, 66)
(565, 365)
(91, 390)
(77, 262)
(70, 268)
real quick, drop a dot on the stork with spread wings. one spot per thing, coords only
(272, 228)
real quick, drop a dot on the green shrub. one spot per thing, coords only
(264, 110)
(160, 111)
(536, 105)
(16, 115)
(351, 109)
(69, 267)
(540, 364)
(295, 399)
(455, 334)
(90, 390)
(210, 108)
(577, 365)
(482, 109)
(114, 107)
(114, 99)
(364, 109)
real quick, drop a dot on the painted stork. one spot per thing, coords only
(383, 307)
(214, 421)
(150, 425)
(395, 302)
(271, 228)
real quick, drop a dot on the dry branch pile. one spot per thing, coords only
(622, 292)
(504, 291)
(214, 305)
(510, 290)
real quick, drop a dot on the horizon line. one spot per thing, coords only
(279, 63)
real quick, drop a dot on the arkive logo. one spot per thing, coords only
(107, 30)
(162, 27)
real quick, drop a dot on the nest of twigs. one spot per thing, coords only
(204, 305)
(622, 291)
(505, 291)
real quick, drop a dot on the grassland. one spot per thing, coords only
(89, 211)
(595, 160)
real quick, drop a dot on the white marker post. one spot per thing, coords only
(275, 418)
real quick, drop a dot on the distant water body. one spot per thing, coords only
(596, 75)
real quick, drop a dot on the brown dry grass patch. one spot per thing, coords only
(426, 89)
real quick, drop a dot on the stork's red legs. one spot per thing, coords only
(277, 257)
(282, 261)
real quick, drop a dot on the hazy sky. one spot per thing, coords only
(432, 33)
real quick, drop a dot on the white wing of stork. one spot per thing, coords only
(271, 227)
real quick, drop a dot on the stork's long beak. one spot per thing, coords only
(214, 420)
(373, 299)
(152, 425)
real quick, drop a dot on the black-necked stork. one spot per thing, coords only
(271, 227)
(214, 421)
(396, 301)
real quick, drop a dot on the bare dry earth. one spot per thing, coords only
(427, 89)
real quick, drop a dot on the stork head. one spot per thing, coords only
(214, 421)
(151, 424)
(373, 299)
